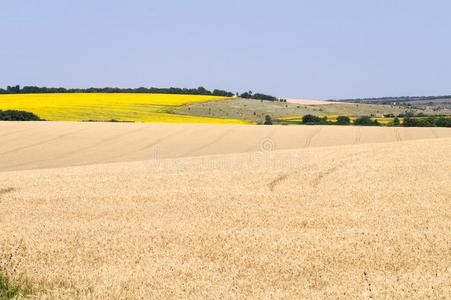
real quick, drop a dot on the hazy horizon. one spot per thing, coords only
(294, 49)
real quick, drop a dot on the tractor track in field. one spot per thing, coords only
(317, 180)
(13, 132)
(397, 135)
(164, 138)
(214, 141)
(43, 142)
(309, 138)
(358, 135)
(434, 133)
(321, 175)
(53, 144)
(103, 141)
(154, 143)
(276, 181)
(76, 151)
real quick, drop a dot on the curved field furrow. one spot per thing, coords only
(308, 140)
(60, 144)
(79, 152)
(154, 143)
(212, 142)
(358, 135)
(434, 134)
(43, 142)
(276, 181)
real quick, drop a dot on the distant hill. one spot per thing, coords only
(421, 102)
(390, 100)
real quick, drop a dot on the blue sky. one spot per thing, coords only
(311, 49)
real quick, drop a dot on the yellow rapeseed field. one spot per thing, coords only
(104, 107)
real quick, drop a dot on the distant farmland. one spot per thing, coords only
(255, 110)
(107, 107)
(183, 108)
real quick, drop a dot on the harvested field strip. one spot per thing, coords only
(60, 144)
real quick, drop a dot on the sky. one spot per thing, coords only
(319, 49)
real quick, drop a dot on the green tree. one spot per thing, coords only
(17, 115)
(268, 120)
(343, 120)
(311, 119)
(443, 122)
(366, 121)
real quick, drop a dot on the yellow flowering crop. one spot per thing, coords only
(333, 118)
(108, 106)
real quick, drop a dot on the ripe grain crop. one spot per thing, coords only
(106, 107)
(364, 221)
(30, 145)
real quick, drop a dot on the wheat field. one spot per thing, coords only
(35, 145)
(226, 213)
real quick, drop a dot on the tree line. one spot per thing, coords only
(257, 96)
(46, 90)
(430, 121)
(17, 89)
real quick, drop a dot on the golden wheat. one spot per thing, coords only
(351, 221)
(30, 145)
